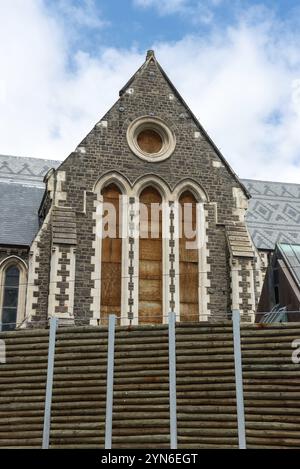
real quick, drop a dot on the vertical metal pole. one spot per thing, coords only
(172, 380)
(110, 381)
(239, 379)
(49, 386)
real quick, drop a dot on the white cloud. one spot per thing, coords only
(45, 110)
(197, 11)
(246, 93)
(243, 83)
(163, 6)
(84, 14)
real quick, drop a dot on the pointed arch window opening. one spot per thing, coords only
(10, 302)
(150, 301)
(111, 254)
(188, 258)
(144, 278)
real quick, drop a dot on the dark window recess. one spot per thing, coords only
(10, 299)
(276, 291)
(276, 285)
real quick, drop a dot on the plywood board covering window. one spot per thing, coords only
(188, 259)
(10, 298)
(111, 259)
(150, 259)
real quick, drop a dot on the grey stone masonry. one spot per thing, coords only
(104, 151)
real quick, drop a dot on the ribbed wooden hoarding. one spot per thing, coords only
(206, 403)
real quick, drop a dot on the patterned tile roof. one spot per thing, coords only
(25, 170)
(274, 213)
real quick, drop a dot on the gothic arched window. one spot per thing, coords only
(111, 255)
(9, 313)
(188, 259)
(150, 257)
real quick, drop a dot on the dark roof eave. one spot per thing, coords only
(15, 245)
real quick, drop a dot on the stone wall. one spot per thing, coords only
(105, 149)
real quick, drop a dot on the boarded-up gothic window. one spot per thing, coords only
(10, 298)
(111, 256)
(188, 259)
(150, 258)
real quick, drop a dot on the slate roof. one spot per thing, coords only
(273, 215)
(21, 193)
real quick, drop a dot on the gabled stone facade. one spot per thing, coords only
(64, 276)
(65, 254)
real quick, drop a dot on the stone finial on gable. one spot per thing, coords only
(150, 55)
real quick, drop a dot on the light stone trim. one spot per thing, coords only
(251, 291)
(54, 279)
(60, 195)
(167, 135)
(33, 269)
(70, 291)
(81, 150)
(241, 203)
(217, 164)
(135, 261)
(103, 124)
(172, 246)
(261, 266)
(96, 262)
(236, 290)
(166, 251)
(176, 262)
(53, 303)
(189, 185)
(204, 267)
(125, 260)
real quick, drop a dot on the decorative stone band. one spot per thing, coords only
(242, 260)
(64, 226)
(239, 241)
(62, 284)
(63, 261)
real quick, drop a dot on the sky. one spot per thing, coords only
(235, 62)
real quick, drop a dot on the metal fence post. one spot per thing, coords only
(110, 380)
(49, 386)
(172, 380)
(239, 379)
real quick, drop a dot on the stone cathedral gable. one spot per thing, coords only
(150, 149)
(149, 94)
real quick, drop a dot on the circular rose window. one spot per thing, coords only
(151, 139)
